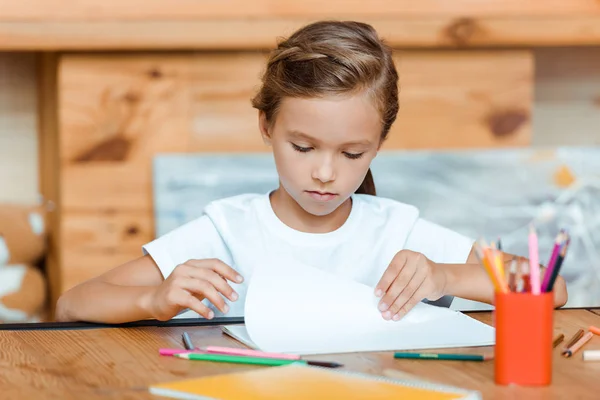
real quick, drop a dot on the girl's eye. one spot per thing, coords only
(353, 156)
(301, 149)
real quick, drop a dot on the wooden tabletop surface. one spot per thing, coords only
(120, 363)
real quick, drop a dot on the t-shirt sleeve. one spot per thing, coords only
(197, 239)
(439, 244)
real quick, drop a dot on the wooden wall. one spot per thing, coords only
(567, 93)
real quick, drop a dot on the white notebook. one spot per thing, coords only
(299, 309)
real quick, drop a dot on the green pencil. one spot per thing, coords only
(237, 359)
(434, 356)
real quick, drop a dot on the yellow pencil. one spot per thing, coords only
(499, 273)
(483, 254)
(498, 261)
(483, 260)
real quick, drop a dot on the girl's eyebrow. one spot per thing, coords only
(301, 135)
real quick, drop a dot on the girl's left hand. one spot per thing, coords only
(410, 278)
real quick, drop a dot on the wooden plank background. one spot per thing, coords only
(239, 24)
(567, 89)
(187, 9)
(436, 31)
(118, 111)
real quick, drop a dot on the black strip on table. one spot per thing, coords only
(136, 324)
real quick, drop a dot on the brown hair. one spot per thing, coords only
(331, 58)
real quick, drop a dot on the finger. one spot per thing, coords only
(202, 309)
(408, 291)
(218, 282)
(188, 300)
(390, 274)
(204, 289)
(219, 267)
(403, 278)
(417, 297)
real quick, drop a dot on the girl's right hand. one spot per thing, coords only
(189, 284)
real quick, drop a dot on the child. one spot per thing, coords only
(329, 96)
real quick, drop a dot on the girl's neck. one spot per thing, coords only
(294, 216)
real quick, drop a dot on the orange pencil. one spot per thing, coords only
(594, 330)
(499, 275)
(488, 268)
(584, 339)
(574, 339)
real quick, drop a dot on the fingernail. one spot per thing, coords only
(234, 296)
(378, 293)
(387, 315)
(225, 308)
(383, 307)
(239, 279)
(211, 315)
(396, 317)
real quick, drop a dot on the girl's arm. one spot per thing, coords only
(471, 281)
(412, 277)
(136, 290)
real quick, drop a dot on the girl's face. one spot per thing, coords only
(323, 148)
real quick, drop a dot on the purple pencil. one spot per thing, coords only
(552, 263)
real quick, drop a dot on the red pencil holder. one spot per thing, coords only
(524, 328)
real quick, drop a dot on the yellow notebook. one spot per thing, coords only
(306, 382)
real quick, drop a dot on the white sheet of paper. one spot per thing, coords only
(299, 309)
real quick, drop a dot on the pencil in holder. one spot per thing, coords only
(524, 326)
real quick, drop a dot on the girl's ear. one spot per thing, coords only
(263, 126)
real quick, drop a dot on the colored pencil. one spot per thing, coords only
(520, 282)
(559, 262)
(187, 341)
(237, 359)
(580, 343)
(574, 339)
(326, 364)
(172, 352)
(435, 356)
(512, 275)
(558, 340)
(253, 360)
(525, 277)
(250, 353)
(594, 330)
(490, 264)
(552, 262)
(486, 264)
(497, 257)
(534, 273)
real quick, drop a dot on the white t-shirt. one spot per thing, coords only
(243, 230)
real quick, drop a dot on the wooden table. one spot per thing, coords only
(119, 363)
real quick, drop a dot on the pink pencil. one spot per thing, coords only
(534, 263)
(250, 353)
(171, 352)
